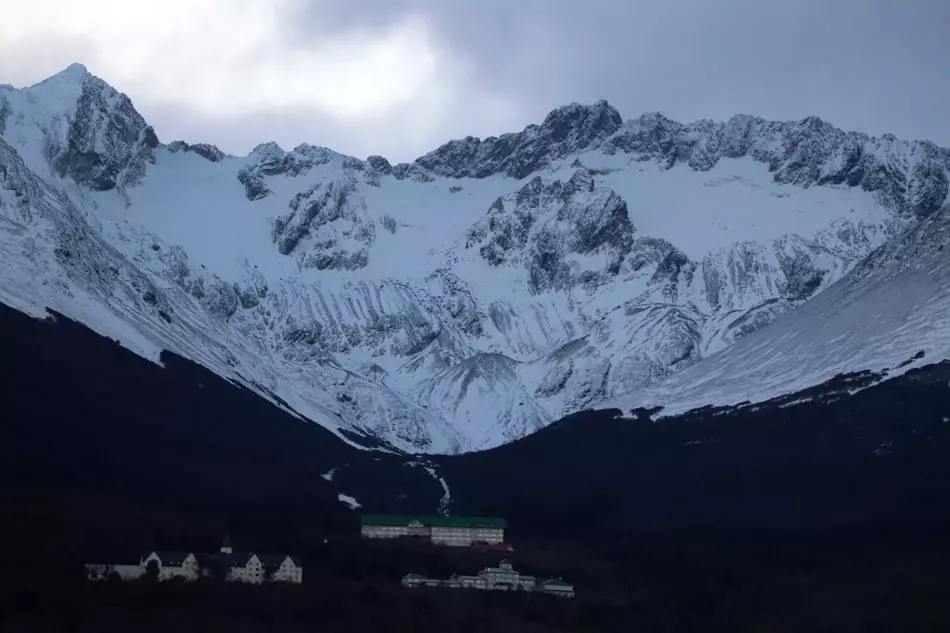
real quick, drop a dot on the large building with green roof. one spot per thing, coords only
(442, 530)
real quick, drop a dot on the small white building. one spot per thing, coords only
(501, 578)
(506, 578)
(102, 571)
(182, 565)
(557, 587)
(259, 568)
(226, 565)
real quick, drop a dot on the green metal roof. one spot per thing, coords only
(399, 520)
(557, 582)
(478, 522)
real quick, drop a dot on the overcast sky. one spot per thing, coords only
(399, 77)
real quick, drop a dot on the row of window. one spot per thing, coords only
(402, 528)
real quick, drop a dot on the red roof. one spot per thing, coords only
(501, 547)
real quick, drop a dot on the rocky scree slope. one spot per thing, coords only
(456, 302)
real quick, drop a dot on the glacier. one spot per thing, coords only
(491, 286)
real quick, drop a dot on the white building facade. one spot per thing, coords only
(102, 571)
(501, 578)
(440, 530)
(225, 565)
(171, 565)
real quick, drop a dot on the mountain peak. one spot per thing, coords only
(269, 148)
(76, 69)
(74, 73)
(91, 132)
(565, 130)
(58, 95)
(599, 108)
(585, 123)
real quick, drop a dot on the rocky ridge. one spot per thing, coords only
(543, 292)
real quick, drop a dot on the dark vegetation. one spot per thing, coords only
(842, 582)
(79, 409)
(814, 461)
(828, 515)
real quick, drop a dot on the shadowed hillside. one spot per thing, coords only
(821, 511)
(82, 411)
(816, 460)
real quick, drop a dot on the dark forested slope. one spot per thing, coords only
(78, 409)
(821, 459)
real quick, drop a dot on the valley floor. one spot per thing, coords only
(842, 582)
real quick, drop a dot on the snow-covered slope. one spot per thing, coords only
(457, 302)
(889, 315)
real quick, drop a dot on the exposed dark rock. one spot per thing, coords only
(649, 251)
(5, 112)
(670, 267)
(803, 153)
(509, 229)
(336, 259)
(389, 223)
(338, 226)
(254, 187)
(107, 143)
(412, 172)
(380, 164)
(273, 161)
(547, 267)
(205, 150)
(310, 335)
(353, 164)
(320, 205)
(601, 222)
(803, 277)
(544, 225)
(220, 299)
(564, 131)
(928, 182)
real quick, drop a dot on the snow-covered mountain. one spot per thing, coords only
(890, 314)
(480, 292)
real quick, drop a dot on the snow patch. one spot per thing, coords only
(349, 501)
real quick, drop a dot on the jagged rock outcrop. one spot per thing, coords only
(106, 143)
(271, 160)
(908, 177)
(5, 109)
(380, 164)
(810, 152)
(543, 225)
(206, 151)
(332, 216)
(565, 131)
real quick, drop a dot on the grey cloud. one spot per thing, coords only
(40, 55)
(874, 65)
(400, 135)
